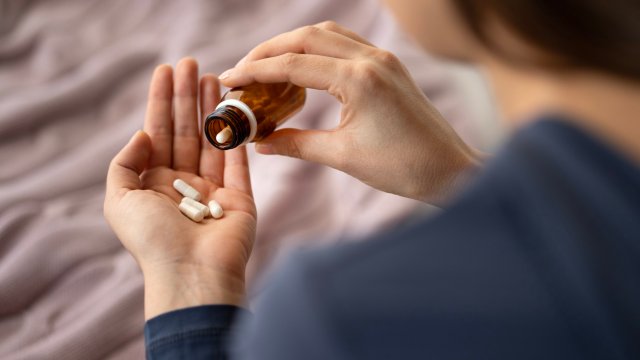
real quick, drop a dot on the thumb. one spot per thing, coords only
(312, 145)
(128, 164)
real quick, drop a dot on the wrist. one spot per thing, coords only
(178, 287)
(443, 181)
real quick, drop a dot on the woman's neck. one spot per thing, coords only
(606, 106)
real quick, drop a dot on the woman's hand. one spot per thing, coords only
(184, 263)
(389, 136)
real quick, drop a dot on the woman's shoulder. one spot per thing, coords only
(525, 243)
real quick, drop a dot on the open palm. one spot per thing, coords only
(142, 206)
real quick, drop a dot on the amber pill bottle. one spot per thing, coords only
(250, 113)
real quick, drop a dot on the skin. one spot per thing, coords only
(384, 135)
(184, 263)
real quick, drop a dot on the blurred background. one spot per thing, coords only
(73, 83)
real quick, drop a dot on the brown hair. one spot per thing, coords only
(595, 34)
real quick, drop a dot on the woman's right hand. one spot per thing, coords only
(389, 135)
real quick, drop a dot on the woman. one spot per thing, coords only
(536, 258)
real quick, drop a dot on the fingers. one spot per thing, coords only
(236, 170)
(186, 134)
(328, 26)
(158, 124)
(128, 164)
(309, 71)
(313, 145)
(211, 159)
(333, 26)
(319, 57)
(309, 40)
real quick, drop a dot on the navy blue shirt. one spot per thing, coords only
(538, 259)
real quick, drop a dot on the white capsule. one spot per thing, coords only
(191, 211)
(215, 209)
(200, 206)
(224, 135)
(186, 189)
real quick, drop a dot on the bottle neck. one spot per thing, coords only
(235, 115)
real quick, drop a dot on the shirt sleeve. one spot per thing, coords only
(200, 332)
(295, 317)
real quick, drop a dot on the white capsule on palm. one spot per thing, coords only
(186, 189)
(191, 211)
(215, 209)
(200, 206)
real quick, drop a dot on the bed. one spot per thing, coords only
(73, 78)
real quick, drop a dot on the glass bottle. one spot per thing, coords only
(250, 113)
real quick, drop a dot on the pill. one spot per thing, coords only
(215, 209)
(191, 211)
(200, 206)
(224, 135)
(186, 189)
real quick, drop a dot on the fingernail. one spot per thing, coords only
(225, 74)
(265, 149)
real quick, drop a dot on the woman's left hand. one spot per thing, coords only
(184, 263)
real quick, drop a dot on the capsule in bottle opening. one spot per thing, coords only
(250, 113)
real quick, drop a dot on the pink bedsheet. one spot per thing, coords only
(73, 78)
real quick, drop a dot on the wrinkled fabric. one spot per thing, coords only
(73, 83)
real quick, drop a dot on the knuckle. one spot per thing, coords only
(248, 67)
(387, 58)
(371, 71)
(289, 60)
(294, 149)
(329, 25)
(185, 129)
(308, 36)
(309, 31)
(253, 53)
(367, 73)
(161, 130)
(158, 93)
